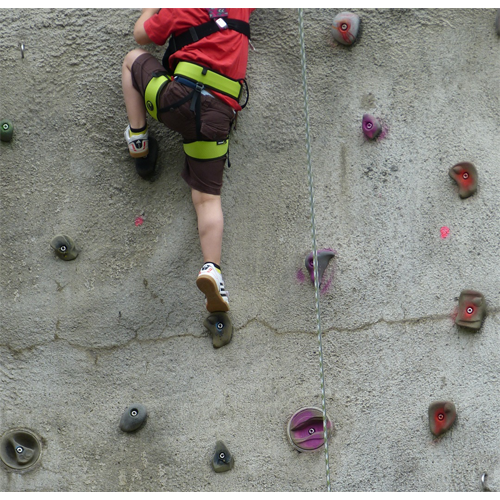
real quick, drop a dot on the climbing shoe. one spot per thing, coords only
(210, 282)
(138, 144)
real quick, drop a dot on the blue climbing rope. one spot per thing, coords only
(315, 250)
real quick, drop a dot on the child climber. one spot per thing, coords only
(195, 92)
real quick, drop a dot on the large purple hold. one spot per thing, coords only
(305, 429)
(324, 257)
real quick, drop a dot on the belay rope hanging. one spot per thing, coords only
(315, 250)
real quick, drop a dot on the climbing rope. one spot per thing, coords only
(315, 250)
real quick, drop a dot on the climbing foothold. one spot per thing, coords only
(442, 415)
(223, 460)
(221, 328)
(465, 175)
(324, 257)
(20, 448)
(471, 309)
(6, 130)
(64, 247)
(305, 429)
(345, 28)
(133, 418)
(371, 126)
(146, 166)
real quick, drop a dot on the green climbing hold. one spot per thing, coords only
(223, 460)
(220, 327)
(6, 130)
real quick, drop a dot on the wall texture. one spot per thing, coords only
(123, 323)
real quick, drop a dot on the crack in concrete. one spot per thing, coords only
(91, 349)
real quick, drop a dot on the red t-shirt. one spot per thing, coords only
(225, 51)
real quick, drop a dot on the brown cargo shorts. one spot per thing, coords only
(216, 120)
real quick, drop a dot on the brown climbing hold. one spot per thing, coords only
(471, 309)
(465, 175)
(442, 415)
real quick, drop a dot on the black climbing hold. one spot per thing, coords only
(145, 166)
(133, 418)
(221, 328)
(20, 448)
(6, 130)
(324, 257)
(64, 247)
(223, 460)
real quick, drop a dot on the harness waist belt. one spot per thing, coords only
(209, 78)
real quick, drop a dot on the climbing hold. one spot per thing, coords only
(20, 448)
(145, 167)
(133, 418)
(371, 126)
(223, 460)
(345, 28)
(471, 309)
(442, 415)
(221, 328)
(6, 130)
(324, 257)
(305, 429)
(465, 175)
(64, 247)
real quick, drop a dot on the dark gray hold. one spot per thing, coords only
(133, 418)
(220, 327)
(20, 449)
(223, 460)
(64, 247)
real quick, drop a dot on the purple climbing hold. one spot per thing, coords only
(305, 429)
(371, 126)
(345, 28)
(324, 257)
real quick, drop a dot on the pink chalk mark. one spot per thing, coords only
(139, 221)
(445, 232)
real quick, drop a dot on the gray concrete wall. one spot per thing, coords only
(123, 323)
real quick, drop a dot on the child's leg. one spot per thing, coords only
(210, 224)
(210, 227)
(134, 102)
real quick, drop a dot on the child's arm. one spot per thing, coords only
(140, 34)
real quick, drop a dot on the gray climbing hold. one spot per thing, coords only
(223, 460)
(220, 327)
(20, 448)
(324, 257)
(64, 247)
(133, 418)
(345, 28)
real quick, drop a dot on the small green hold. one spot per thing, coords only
(223, 460)
(6, 130)
(64, 247)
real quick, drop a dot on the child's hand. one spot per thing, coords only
(151, 12)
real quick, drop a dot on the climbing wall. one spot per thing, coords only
(89, 345)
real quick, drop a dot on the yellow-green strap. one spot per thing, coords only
(206, 150)
(151, 94)
(209, 78)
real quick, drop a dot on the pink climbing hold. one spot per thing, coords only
(445, 232)
(139, 221)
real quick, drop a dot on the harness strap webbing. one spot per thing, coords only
(206, 150)
(196, 33)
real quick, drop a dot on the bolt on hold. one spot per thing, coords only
(442, 415)
(471, 309)
(465, 175)
(345, 28)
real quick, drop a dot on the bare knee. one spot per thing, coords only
(131, 57)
